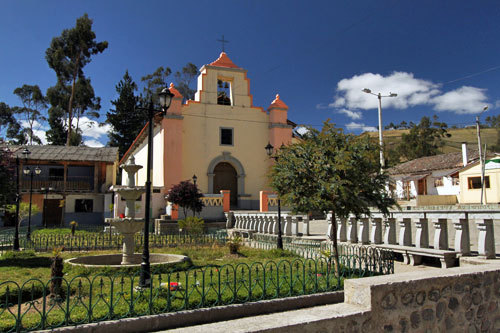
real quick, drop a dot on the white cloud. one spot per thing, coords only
(352, 126)
(464, 100)
(93, 134)
(92, 131)
(322, 106)
(92, 143)
(351, 114)
(38, 130)
(411, 92)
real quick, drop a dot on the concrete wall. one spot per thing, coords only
(435, 200)
(452, 300)
(141, 158)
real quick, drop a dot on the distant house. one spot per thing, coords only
(72, 185)
(470, 182)
(431, 180)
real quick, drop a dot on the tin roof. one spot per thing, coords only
(64, 153)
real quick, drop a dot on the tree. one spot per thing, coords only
(9, 127)
(24, 210)
(184, 79)
(332, 171)
(86, 103)
(33, 103)
(126, 122)
(424, 139)
(186, 195)
(68, 54)
(58, 97)
(7, 177)
(494, 122)
(154, 83)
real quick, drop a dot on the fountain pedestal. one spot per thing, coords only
(128, 225)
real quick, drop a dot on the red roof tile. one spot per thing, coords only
(430, 163)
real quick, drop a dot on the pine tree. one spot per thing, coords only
(125, 120)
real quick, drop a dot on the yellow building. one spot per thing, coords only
(470, 183)
(219, 137)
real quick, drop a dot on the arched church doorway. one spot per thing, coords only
(226, 178)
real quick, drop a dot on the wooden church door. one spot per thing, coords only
(226, 178)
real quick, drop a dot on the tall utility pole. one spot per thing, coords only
(380, 136)
(481, 162)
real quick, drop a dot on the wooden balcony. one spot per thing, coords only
(73, 184)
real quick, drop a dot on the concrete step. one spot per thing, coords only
(288, 321)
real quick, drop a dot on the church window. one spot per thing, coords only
(223, 92)
(226, 136)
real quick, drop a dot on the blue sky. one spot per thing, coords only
(441, 57)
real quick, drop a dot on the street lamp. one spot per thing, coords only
(46, 190)
(27, 171)
(269, 150)
(195, 179)
(165, 98)
(16, 228)
(380, 137)
(481, 160)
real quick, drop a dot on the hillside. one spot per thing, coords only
(452, 144)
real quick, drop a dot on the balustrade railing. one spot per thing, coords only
(459, 230)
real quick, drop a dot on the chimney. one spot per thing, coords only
(464, 153)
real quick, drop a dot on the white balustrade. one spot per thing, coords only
(288, 226)
(376, 232)
(295, 226)
(405, 232)
(462, 236)
(441, 234)
(363, 232)
(390, 231)
(486, 239)
(352, 230)
(342, 230)
(422, 233)
(305, 225)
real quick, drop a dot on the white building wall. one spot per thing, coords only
(141, 158)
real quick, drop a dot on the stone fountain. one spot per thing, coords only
(128, 225)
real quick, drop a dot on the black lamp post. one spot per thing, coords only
(270, 150)
(27, 171)
(165, 97)
(18, 195)
(46, 190)
(195, 179)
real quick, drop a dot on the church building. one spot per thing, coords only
(219, 136)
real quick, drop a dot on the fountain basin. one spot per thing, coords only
(114, 260)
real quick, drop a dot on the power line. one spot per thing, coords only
(474, 74)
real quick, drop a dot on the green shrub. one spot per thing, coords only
(19, 254)
(192, 225)
(234, 245)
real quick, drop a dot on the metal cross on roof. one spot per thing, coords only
(223, 41)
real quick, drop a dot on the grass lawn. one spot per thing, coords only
(212, 277)
(21, 268)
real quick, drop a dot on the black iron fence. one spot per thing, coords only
(86, 299)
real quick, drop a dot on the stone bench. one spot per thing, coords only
(413, 255)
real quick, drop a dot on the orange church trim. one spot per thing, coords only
(223, 61)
